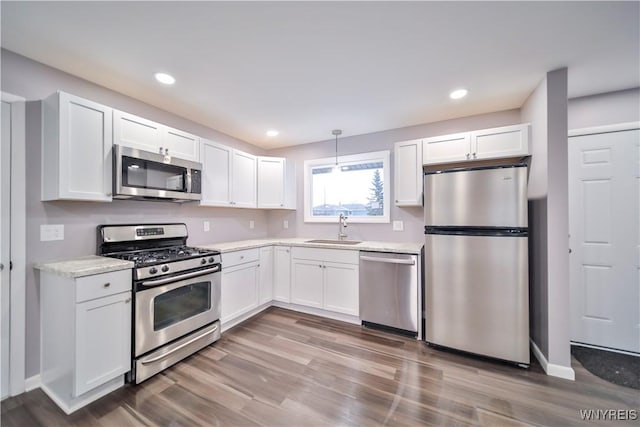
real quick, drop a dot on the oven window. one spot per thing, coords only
(179, 304)
(153, 175)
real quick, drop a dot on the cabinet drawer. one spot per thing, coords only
(229, 259)
(328, 255)
(101, 285)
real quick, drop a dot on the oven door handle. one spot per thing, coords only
(181, 346)
(165, 280)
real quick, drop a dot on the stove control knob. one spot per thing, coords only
(153, 270)
(165, 268)
(203, 261)
(211, 260)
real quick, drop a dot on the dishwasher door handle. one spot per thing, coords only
(388, 260)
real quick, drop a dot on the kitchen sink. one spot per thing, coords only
(334, 242)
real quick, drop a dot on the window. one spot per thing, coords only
(359, 188)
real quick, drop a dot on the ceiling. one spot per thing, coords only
(305, 68)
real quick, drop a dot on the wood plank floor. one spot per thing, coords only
(284, 368)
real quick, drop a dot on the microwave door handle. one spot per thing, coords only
(188, 180)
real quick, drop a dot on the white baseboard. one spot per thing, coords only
(318, 312)
(552, 369)
(32, 383)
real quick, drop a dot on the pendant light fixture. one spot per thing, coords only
(336, 132)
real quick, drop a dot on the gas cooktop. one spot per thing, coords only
(143, 258)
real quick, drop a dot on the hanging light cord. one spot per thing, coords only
(336, 132)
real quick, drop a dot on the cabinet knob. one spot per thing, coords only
(468, 156)
(106, 285)
(160, 150)
(127, 301)
(474, 155)
(166, 151)
(241, 256)
(396, 201)
(320, 265)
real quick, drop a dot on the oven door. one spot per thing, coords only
(166, 311)
(140, 174)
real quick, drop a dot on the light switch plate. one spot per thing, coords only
(49, 232)
(398, 225)
(207, 226)
(252, 224)
(285, 224)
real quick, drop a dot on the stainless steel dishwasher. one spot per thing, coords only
(390, 291)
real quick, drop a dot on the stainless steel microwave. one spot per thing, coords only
(139, 174)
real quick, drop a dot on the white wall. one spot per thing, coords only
(604, 109)
(412, 216)
(546, 110)
(34, 81)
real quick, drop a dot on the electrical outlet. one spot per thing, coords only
(398, 225)
(252, 224)
(49, 232)
(285, 224)
(207, 226)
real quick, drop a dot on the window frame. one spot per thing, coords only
(383, 156)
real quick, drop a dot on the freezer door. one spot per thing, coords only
(495, 197)
(477, 295)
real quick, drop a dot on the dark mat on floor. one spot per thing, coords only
(616, 368)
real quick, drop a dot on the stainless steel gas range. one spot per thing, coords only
(176, 293)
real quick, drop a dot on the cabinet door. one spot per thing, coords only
(182, 144)
(85, 150)
(446, 149)
(408, 173)
(266, 274)
(282, 274)
(306, 286)
(341, 288)
(216, 174)
(271, 182)
(243, 181)
(503, 142)
(136, 132)
(103, 341)
(239, 292)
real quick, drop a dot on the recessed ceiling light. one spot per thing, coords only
(272, 132)
(165, 78)
(458, 93)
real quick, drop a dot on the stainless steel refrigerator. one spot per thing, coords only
(476, 261)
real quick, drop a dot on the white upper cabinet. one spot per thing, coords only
(216, 174)
(408, 173)
(509, 141)
(76, 149)
(137, 132)
(446, 149)
(182, 144)
(276, 183)
(229, 176)
(495, 143)
(243, 180)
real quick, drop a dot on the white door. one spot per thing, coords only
(341, 291)
(266, 275)
(408, 173)
(182, 144)
(282, 274)
(307, 279)
(5, 227)
(604, 207)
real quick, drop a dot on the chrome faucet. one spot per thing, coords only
(342, 224)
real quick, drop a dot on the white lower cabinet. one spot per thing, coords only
(85, 336)
(240, 278)
(266, 275)
(326, 279)
(282, 273)
(341, 288)
(308, 280)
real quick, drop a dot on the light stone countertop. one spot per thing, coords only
(84, 266)
(395, 247)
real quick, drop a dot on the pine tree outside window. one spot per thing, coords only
(359, 190)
